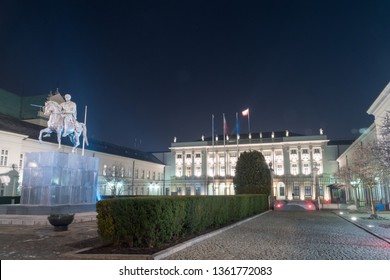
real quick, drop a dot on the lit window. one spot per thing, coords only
(21, 161)
(294, 169)
(306, 169)
(188, 171)
(4, 157)
(198, 171)
(307, 191)
(179, 171)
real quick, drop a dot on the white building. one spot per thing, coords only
(379, 108)
(122, 170)
(205, 167)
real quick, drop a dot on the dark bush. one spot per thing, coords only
(151, 221)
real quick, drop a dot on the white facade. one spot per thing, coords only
(379, 109)
(201, 168)
(118, 175)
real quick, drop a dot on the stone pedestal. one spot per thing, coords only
(59, 179)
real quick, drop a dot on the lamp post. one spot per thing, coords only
(317, 187)
(272, 193)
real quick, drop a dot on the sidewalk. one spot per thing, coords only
(379, 227)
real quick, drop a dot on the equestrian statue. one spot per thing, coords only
(63, 120)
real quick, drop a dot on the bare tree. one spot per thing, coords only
(383, 150)
(116, 180)
(366, 167)
(346, 176)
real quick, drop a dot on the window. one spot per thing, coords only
(305, 151)
(317, 151)
(294, 169)
(198, 171)
(143, 176)
(188, 171)
(179, 172)
(306, 169)
(293, 152)
(154, 176)
(197, 191)
(279, 169)
(295, 191)
(148, 175)
(188, 156)
(188, 190)
(4, 157)
(307, 191)
(222, 170)
(179, 156)
(281, 191)
(233, 171)
(136, 174)
(21, 161)
(105, 170)
(197, 155)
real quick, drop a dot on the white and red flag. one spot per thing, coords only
(245, 112)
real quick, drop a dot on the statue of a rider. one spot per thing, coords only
(69, 112)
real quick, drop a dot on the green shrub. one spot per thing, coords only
(151, 221)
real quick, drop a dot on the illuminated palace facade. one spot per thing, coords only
(207, 167)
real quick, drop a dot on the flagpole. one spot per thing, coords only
(237, 129)
(249, 124)
(224, 144)
(212, 136)
(85, 123)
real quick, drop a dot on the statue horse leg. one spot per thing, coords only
(59, 135)
(76, 142)
(45, 130)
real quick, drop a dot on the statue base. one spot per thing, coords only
(59, 179)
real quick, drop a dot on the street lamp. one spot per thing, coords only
(317, 186)
(272, 193)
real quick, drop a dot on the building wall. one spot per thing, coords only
(203, 169)
(379, 108)
(14, 146)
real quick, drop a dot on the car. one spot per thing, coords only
(294, 205)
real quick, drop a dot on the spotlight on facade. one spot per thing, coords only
(353, 218)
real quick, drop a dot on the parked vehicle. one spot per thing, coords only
(294, 205)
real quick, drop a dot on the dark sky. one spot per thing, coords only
(152, 70)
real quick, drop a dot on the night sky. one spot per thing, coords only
(152, 70)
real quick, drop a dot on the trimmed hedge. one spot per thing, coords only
(151, 221)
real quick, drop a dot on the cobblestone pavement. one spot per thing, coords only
(33, 238)
(273, 235)
(319, 235)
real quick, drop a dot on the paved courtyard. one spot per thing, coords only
(273, 235)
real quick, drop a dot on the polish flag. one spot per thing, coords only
(245, 112)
